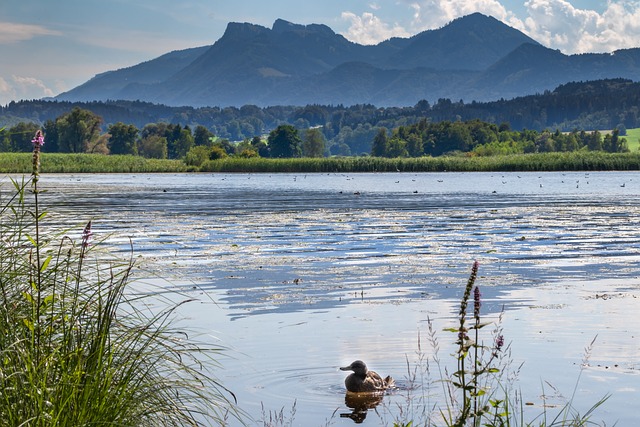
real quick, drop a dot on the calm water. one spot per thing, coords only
(300, 274)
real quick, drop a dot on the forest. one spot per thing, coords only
(553, 121)
(81, 131)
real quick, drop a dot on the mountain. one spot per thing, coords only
(475, 57)
(106, 85)
(474, 42)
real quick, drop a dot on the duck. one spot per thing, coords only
(363, 380)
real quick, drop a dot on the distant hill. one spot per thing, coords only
(106, 85)
(475, 57)
(598, 104)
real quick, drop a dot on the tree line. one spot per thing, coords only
(81, 131)
(349, 130)
(477, 138)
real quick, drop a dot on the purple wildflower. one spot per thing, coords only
(499, 342)
(86, 236)
(38, 139)
(476, 303)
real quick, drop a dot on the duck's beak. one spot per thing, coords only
(346, 368)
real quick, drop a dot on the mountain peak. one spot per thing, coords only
(243, 30)
(282, 26)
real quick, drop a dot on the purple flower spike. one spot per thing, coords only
(86, 235)
(499, 342)
(38, 139)
(476, 302)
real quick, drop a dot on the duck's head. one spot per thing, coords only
(358, 367)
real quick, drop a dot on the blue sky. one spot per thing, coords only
(49, 46)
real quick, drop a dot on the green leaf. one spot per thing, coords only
(33, 242)
(480, 325)
(28, 297)
(28, 323)
(45, 264)
(48, 300)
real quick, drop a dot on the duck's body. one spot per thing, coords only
(365, 381)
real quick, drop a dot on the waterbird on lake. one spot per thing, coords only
(365, 381)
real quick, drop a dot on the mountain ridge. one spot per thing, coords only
(473, 58)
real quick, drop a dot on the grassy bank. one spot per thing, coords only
(96, 163)
(87, 163)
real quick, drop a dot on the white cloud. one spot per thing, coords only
(32, 85)
(19, 87)
(554, 23)
(560, 25)
(557, 24)
(369, 29)
(12, 33)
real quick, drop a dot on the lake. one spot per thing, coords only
(299, 274)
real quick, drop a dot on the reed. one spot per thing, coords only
(20, 163)
(77, 348)
(574, 161)
(98, 163)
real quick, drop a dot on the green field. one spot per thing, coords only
(633, 139)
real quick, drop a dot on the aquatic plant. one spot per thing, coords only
(480, 392)
(474, 360)
(77, 348)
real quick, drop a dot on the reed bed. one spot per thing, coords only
(98, 163)
(575, 161)
(88, 163)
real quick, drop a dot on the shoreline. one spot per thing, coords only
(15, 163)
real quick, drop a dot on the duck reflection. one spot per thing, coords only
(360, 403)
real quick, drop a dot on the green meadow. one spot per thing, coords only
(633, 139)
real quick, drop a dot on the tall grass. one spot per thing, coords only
(76, 348)
(88, 163)
(589, 161)
(99, 163)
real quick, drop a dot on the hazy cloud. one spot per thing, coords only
(31, 84)
(6, 92)
(369, 29)
(23, 88)
(12, 33)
